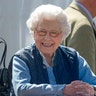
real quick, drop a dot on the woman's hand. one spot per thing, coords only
(78, 88)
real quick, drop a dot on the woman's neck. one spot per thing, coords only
(49, 59)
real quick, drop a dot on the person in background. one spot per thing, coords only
(83, 32)
(48, 68)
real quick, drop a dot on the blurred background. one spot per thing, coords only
(13, 16)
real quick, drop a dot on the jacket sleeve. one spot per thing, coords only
(85, 72)
(22, 86)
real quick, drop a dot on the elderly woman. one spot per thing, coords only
(46, 68)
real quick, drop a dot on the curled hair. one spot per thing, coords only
(49, 11)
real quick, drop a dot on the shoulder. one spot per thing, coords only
(74, 11)
(27, 49)
(26, 53)
(67, 49)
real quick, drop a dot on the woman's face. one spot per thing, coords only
(48, 36)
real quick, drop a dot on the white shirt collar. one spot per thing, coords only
(44, 60)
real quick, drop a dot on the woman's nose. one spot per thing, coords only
(47, 36)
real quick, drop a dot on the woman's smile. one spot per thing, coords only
(48, 45)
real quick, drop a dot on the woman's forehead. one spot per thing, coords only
(49, 23)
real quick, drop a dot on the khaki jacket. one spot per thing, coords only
(82, 36)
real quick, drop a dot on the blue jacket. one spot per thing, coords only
(30, 77)
(65, 65)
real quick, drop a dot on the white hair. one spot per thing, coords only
(49, 11)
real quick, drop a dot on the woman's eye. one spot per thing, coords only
(42, 32)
